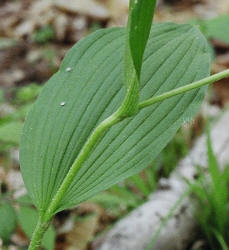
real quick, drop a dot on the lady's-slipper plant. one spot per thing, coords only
(118, 98)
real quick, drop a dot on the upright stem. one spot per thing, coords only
(38, 234)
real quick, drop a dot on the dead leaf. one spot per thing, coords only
(90, 8)
(119, 12)
(82, 233)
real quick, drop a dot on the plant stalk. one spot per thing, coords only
(83, 155)
(38, 234)
(184, 89)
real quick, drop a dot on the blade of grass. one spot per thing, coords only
(141, 185)
(221, 240)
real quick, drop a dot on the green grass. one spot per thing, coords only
(211, 192)
(212, 208)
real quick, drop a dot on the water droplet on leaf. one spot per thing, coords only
(62, 104)
(68, 69)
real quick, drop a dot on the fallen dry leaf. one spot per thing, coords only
(82, 233)
(92, 8)
(118, 11)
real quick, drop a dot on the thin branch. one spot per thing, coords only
(184, 89)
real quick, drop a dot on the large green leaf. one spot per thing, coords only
(87, 89)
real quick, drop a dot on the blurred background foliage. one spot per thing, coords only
(34, 37)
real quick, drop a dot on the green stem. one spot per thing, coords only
(83, 155)
(38, 234)
(184, 89)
